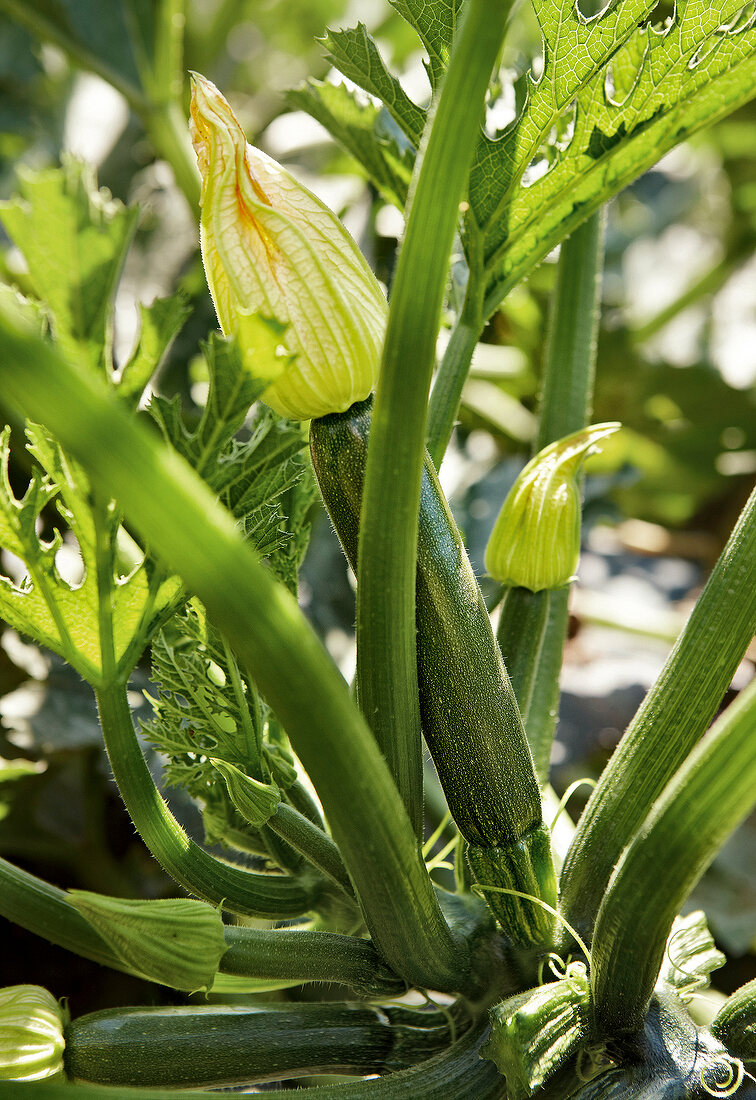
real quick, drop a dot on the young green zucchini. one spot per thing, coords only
(219, 1045)
(468, 710)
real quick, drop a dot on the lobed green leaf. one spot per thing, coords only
(74, 239)
(365, 130)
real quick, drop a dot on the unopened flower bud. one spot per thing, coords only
(271, 247)
(175, 941)
(535, 542)
(534, 1034)
(31, 1034)
(256, 802)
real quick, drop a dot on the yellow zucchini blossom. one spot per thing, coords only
(535, 542)
(270, 247)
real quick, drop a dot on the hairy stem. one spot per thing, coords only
(271, 637)
(533, 626)
(386, 670)
(261, 895)
(671, 719)
(450, 380)
(706, 800)
(309, 957)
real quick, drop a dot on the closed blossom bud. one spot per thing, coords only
(256, 802)
(534, 1034)
(175, 941)
(535, 542)
(31, 1034)
(271, 247)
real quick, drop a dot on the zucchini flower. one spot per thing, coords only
(31, 1034)
(535, 542)
(270, 247)
(175, 941)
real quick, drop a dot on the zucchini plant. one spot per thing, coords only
(551, 969)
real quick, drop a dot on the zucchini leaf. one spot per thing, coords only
(74, 239)
(365, 130)
(436, 23)
(160, 323)
(354, 53)
(615, 94)
(207, 707)
(250, 475)
(60, 612)
(642, 99)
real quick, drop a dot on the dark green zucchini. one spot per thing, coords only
(469, 714)
(226, 1045)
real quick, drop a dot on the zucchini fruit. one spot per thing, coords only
(468, 711)
(225, 1045)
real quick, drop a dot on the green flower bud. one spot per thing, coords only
(174, 941)
(31, 1034)
(534, 1033)
(256, 802)
(270, 246)
(535, 542)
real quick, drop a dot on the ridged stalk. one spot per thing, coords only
(532, 626)
(260, 895)
(455, 364)
(304, 956)
(531, 632)
(671, 719)
(301, 956)
(708, 798)
(386, 668)
(569, 368)
(180, 519)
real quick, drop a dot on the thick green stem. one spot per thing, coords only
(532, 627)
(182, 521)
(531, 632)
(271, 896)
(309, 957)
(312, 843)
(671, 719)
(450, 380)
(569, 367)
(387, 674)
(706, 800)
(280, 955)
